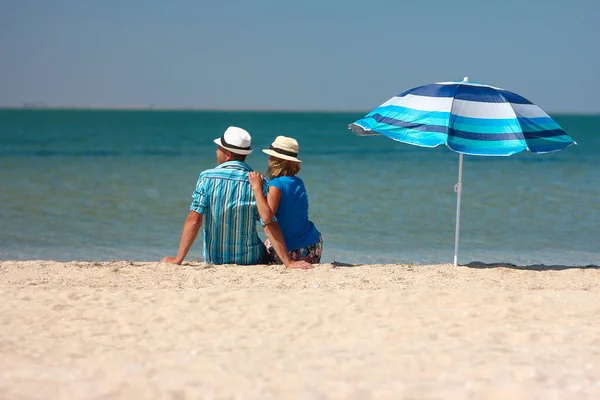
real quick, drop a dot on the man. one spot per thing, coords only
(225, 200)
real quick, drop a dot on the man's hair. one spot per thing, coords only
(280, 167)
(237, 157)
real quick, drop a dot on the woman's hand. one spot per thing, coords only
(300, 264)
(256, 181)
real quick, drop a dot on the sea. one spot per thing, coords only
(98, 185)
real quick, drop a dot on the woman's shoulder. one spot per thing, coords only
(275, 180)
(287, 183)
(286, 180)
(283, 179)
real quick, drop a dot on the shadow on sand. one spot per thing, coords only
(336, 264)
(536, 267)
(482, 265)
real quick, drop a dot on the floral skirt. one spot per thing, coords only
(311, 254)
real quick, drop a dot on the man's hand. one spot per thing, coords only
(300, 264)
(171, 260)
(190, 231)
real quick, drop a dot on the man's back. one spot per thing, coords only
(225, 198)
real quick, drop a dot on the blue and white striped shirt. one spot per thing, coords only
(225, 198)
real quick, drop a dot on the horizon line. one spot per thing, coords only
(34, 106)
(170, 108)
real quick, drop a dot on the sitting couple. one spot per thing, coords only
(231, 198)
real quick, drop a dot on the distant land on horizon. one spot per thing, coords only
(44, 106)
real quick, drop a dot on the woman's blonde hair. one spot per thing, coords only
(280, 167)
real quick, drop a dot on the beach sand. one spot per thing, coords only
(130, 330)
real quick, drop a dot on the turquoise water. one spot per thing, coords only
(105, 185)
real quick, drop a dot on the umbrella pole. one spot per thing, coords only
(458, 190)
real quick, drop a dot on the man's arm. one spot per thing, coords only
(191, 227)
(274, 234)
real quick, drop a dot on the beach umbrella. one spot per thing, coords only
(469, 118)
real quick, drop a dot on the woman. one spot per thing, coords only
(288, 202)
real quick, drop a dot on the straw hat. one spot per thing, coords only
(236, 140)
(285, 148)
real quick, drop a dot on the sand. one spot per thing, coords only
(128, 330)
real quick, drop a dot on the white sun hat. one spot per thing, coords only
(236, 140)
(285, 148)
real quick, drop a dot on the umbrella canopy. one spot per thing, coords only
(470, 118)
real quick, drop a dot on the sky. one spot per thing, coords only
(294, 55)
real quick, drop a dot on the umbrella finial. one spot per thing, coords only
(466, 79)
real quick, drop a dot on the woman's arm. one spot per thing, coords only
(274, 234)
(265, 212)
(273, 198)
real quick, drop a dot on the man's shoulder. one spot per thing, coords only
(235, 165)
(210, 171)
(230, 169)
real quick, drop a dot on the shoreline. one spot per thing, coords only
(119, 329)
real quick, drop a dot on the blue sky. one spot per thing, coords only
(306, 55)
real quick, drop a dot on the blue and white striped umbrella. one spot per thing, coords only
(470, 118)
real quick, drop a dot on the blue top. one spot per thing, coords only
(292, 213)
(225, 197)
